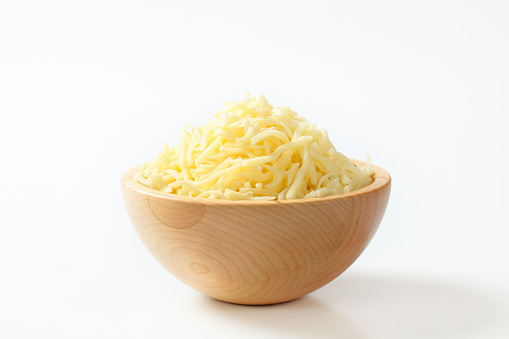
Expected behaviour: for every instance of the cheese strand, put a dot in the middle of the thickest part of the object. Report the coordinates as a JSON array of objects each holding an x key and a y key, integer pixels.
[{"x": 252, "y": 151}]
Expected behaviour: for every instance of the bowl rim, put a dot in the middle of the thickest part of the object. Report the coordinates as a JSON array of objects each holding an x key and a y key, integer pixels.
[{"x": 381, "y": 177}]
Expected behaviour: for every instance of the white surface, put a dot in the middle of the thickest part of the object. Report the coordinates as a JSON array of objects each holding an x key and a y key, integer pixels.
[{"x": 89, "y": 90}]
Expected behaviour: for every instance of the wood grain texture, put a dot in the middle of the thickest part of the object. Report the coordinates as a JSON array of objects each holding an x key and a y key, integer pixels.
[{"x": 256, "y": 252}]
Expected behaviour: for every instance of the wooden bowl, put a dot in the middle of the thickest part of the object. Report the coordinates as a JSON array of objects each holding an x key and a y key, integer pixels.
[{"x": 256, "y": 252}]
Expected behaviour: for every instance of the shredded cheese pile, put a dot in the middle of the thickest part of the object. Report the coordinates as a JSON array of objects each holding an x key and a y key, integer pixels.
[{"x": 252, "y": 151}]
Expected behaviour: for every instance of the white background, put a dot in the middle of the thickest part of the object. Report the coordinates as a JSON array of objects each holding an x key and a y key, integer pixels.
[{"x": 90, "y": 89}]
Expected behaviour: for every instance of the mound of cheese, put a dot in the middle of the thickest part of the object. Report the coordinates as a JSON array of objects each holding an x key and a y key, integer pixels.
[{"x": 252, "y": 151}]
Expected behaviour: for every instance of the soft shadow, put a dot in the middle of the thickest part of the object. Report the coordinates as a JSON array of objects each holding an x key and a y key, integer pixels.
[
  {"x": 412, "y": 306},
  {"x": 357, "y": 306},
  {"x": 306, "y": 317}
]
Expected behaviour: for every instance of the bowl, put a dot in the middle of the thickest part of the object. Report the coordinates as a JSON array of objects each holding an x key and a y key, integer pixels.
[{"x": 256, "y": 252}]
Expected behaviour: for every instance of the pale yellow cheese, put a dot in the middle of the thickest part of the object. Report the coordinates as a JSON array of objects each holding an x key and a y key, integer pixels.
[{"x": 252, "y": 151}]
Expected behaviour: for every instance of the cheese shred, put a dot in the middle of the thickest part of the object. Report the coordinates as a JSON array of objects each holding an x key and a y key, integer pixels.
[{"x": 253, "y": 151}]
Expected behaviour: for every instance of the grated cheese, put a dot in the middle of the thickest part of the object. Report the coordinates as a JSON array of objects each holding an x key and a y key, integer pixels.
[{"x": 252, "y": 151}]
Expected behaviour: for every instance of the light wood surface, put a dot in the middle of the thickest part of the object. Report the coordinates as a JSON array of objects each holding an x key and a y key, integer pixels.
[{"x": 256, "y": 252}]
